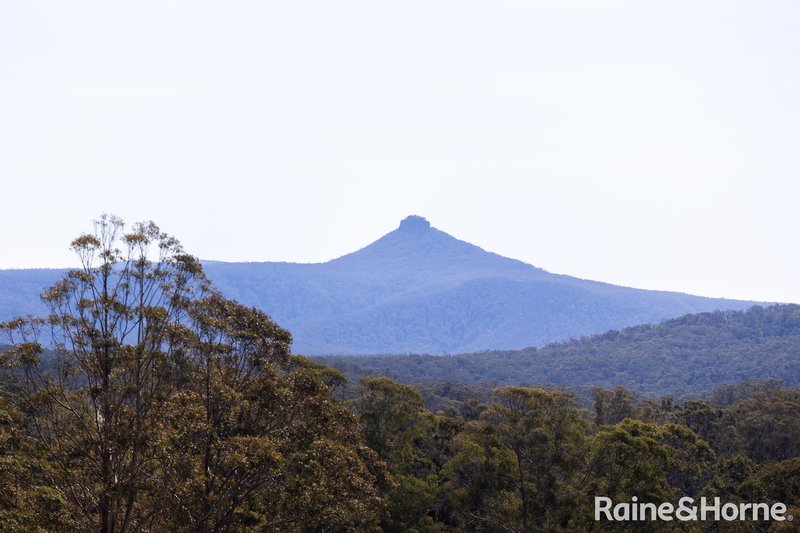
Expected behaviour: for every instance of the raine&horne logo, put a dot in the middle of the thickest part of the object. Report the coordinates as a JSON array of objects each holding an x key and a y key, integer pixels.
[{"x": 687, "y": 511}]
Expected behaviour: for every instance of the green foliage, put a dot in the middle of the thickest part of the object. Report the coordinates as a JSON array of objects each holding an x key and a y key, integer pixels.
[
  {"x": 773, "y": 482},
  {"x": 167, "y": 407},
  {"x": 390, "y": 414},
  {"x": 611, "y": 407},
  {"x": 766, "y": 427},
  {"x": 533, "y": 460},
  {"x": 547, "y": 436},
  {"x": 160, "y": 405},
  {"x": 628, "y": 460},
  {"x": 729, "y": 473},
  {"x": 28, "y": 501},
  {"x": 684, "y": 357}
]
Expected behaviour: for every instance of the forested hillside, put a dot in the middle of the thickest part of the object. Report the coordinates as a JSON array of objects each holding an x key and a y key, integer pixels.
[
  {"x": 529, "y": 459},
  {"x": 684, "y": 356},
  {"x": 145, "y": 400}
]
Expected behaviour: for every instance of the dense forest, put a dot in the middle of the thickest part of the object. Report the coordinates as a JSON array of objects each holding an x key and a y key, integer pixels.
[
  {"x": 147, "y": 401},
  {"x": 682, "y": 357}
]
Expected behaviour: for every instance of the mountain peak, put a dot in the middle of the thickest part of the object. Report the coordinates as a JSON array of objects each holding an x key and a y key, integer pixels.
[
  {"x": 415, "y": 224},
  {"x": 418, "y": 251}
]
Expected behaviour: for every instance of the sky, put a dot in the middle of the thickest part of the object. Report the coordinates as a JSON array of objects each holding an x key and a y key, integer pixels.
[{"x": 648, "y": 144}]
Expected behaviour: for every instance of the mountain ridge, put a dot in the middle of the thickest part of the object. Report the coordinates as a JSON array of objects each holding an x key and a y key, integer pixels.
[
  {"x": 418, "y": 289},
  {"x": 685, "y": 356}
]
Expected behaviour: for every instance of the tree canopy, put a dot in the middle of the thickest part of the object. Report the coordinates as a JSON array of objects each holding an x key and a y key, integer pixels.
[
  {"x": 163, "y": 406},
  {"x": 145, "y": 400}
]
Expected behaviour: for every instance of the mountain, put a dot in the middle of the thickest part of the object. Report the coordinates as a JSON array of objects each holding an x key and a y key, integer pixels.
[
  {"x": 685, "y": 356},
  {"x": 20, "y": 289},
  {"x": 417, "y": 290}
]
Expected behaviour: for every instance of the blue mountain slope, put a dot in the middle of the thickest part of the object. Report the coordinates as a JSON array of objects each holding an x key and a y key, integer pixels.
[
  {"x": 20, "y": 290},
  {"x": 418, "y": 289}
]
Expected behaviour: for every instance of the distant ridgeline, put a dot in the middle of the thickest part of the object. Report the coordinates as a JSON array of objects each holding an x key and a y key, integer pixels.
[
  {"x": 416, "y": 290},
  {"x": 685, "y": 356}
]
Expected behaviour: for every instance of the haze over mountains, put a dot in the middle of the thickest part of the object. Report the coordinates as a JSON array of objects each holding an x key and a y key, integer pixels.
[{"x": 417, "y": 290}]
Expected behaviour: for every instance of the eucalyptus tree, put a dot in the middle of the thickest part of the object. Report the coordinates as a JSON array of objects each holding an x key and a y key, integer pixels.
[
  {"x": 115, "y": 335},
  {"x": 159, "y": 405},
  {"x": 546, "y": 433}
]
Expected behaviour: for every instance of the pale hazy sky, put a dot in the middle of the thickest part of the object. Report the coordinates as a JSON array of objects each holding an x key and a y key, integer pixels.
[{"x": 651, "y": 144}]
